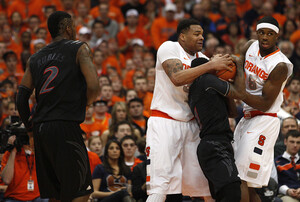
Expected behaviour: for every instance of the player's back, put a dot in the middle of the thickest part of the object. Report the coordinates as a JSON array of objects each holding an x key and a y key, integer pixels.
[{"x": 60, "y": 87}]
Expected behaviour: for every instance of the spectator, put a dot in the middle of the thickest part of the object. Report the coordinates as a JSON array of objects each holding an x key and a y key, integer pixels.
[
  {"x": 150, "y": 13},
  {"x": 164, "y": 27},
  {"x": 140, "y": 86},
  {"x": 233, "y": 34},
  {"x": 18, "y": 172},
  {"x": 198, "y": 13},
  {"x": 287, "y": 125},
  {"x": 132, "y": 4},
  {"x": 289, "y": 27},
  {"x": 252, "y": 15},
  {"x": 132, "y": 31},
  {"x": 111, "y": 26},
  {"x": 12, "y": 66},
  {"x": 82, "y": 18},
  {"x": 98, "y": 32},
  {"x": 34, "y": 22},
  {"x": 9, "y": 42},
  {"x": 122, "y": 129},
  {"x": 128, "y": 144},
  {"x": 230, "y": 16},
  {"x": 119, "y": 91},
  {"x": 293, "y": 92},
  {"x": 210, "y": 46},
  {"x": 101, "y": 114},
  {"x": 130, "y": 94},
  {"x": 84, "y": 34},
  {"x": 2, "y": 51},
  {"x": 286, "y": 48},
  {"x": 106, "y": 94},
  {"x": 95, "y": 145},
  {"x": 90, "y": 126},
  {"x": 38, "y": 44},
  {"x": 139, "y": 182},
  {"x": 288, "y": 168},
  {"x": 111, "y": 178},
  {"x": 136, "y": 109},
  {"x": 295, "y": 59},
  {"x": 98, "y": 58}
]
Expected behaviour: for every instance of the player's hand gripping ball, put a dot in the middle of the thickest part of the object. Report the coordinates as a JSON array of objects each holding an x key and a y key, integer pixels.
[{"x": 226, "y": 74}]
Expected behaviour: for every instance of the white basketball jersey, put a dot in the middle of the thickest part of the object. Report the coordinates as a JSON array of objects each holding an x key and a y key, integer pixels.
[
  {"x": 167, "y": 97},
  {"x": 258, "y": 69}
]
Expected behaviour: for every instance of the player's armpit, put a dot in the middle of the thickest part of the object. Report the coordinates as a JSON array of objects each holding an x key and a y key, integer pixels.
[
  {"x": 270, "y": 90},
  {"x": 84, "y": 58}
]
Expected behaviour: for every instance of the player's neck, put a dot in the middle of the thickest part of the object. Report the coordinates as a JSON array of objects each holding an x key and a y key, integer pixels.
[
  {"x": 186, "y": 49},
  {"x": 264, "y": 53}
]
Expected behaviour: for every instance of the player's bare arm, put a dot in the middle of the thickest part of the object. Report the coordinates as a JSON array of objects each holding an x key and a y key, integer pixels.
[
  {"x": 179, "y": 77},
  {"x": 84, "y": 59},
  {"x": 237, "y": 90},
  {"x": 270, "y": 90},
  {"x": 231, "y": 108}
]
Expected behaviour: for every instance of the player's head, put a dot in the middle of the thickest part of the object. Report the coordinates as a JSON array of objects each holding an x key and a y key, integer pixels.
[
  {"x": 198, "y": 61},
  {"x": 190, "y": 35},
  {"x": 59, "y": 23},
  {"x": 267, "y": 30}
]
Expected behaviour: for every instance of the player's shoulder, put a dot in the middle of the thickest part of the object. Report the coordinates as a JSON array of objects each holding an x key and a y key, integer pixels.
[{"x": 169, "y": 45}]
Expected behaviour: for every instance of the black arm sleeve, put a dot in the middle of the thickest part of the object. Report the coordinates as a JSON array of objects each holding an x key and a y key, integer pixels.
[
  {"x": 23, "y": 105},
  {"x": 212, "y": 82}
]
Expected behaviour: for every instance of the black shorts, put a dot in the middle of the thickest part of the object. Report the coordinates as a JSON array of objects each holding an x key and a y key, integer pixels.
[
  {"x": 215, "y": 155},
  {"x": 62, "y": 163}
]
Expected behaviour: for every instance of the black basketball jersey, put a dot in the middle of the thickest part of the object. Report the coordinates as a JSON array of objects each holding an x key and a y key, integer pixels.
[
  {"x": 60, "y": 87},
  {"x": 209, "y": 107}
]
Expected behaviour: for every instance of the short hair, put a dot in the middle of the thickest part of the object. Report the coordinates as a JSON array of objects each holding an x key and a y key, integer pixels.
[
  {"x": 290, "y": 117},
  {"x": 7, "y": 54},
  {"x": 54, "y": 22},
  {"x": 128, "y": 137},
  {"x": 97, "y": 22},
  {"x": 292, "y": 79},
  {"x": 292, "y": 133},
  {"x": 135, "y": 100},
  {"x": 184, "y": 25}
]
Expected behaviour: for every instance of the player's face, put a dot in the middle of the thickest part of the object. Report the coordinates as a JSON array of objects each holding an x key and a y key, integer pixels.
[
  {"x": 267, "y": 39},
  {"x": 292, "y": 145},
  {"x": 96, "y": 146},
  {"x": 194, "y": 39},
  {"x": 129, "y": 148},
  {"x": 114, "y": 151}
]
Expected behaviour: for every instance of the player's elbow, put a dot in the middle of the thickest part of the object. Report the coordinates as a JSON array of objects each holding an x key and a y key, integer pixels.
[{"x": 177, "y": 81}]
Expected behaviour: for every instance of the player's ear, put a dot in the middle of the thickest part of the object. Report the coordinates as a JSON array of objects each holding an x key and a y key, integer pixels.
[{"x": 182, "y": 37}]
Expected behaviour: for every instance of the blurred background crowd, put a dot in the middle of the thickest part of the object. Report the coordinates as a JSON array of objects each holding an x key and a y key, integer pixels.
[{"x": 124, "y": 36}]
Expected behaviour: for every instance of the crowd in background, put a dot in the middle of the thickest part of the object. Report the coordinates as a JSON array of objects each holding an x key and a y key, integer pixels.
[{"x": 124, "y": 36}]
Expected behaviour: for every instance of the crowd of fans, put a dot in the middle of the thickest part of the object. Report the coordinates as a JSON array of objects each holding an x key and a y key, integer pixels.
[{"x": 124, "y": 36}]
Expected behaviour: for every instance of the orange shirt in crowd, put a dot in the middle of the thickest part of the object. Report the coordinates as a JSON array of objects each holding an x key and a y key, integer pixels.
[
  {"x": 115, "y": 99},
  {"x": 94, "y": 160},
  {"x": 161, "y": 30},
  {"x": 136, "y": 161},
  {"x": 17, "y": 189},
  {"x": 147, "y": 99},
  {"x": 140, "y": 123},
  {"x": 139, "y": 33},
  {"x": 104, "y": 122},
  {"x": 89, "y": 128},
  {"x": 128, "y": 80},
  {"x": 111, "y": 62},
  {"x": 34, "y": 7},
  {"x": 242, "y": 8},
  {"x": 114, "y": 13}
]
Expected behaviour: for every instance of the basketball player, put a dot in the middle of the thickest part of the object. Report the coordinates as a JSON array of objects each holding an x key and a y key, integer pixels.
[
  {"x": 211, "y": 101},
  {"x": 65, "y": 81},
  {"x": 267, "y": 70},
  {"x": 173, "y": 135}
]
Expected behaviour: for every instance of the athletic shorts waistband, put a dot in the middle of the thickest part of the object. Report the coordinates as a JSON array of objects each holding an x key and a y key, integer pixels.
[
  {"x": 251, "y": 114},
  {"x": 157, "y": 113}
]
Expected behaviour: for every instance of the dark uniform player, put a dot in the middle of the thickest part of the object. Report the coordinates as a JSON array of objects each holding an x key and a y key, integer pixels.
[
  {"x": 209, "y": 100},
  {"x": 65, "y": 81}
]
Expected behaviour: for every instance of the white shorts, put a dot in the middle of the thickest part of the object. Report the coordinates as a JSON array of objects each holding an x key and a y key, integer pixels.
[
  {"x": 254, "y": 141},
  {"x": 173, "y": 166}
]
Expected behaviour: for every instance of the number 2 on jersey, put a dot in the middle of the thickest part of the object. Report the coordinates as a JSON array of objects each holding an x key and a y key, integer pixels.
[{"x": 53, "y": 73}]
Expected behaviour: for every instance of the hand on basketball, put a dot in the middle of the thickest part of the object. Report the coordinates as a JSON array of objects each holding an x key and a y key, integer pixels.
[{"x": 221, "y": 62}]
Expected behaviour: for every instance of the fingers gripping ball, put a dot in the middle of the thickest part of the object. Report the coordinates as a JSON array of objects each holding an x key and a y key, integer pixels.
[{"x": 226, "y": 74}]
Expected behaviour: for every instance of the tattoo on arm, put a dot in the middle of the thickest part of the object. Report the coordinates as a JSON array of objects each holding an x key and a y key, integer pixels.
[{"x": 172, "y": 66}]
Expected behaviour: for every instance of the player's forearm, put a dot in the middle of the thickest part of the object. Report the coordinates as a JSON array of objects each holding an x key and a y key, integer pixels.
[
  {"x": 238, "y": 89},
  {"x": 189, "y": 75},
  {"x": 257, "y": 102},
  {"x": 92, "y": 94},
  {"x": 231, "y": 108}
]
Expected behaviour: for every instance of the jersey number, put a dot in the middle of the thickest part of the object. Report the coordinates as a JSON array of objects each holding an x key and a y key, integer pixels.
[
  {"x": 53, "y": 73},
  {"x": 261, "y": 140}
]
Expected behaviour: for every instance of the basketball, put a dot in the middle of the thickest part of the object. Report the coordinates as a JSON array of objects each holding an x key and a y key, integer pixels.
[{"x": 226, "y": 74}]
